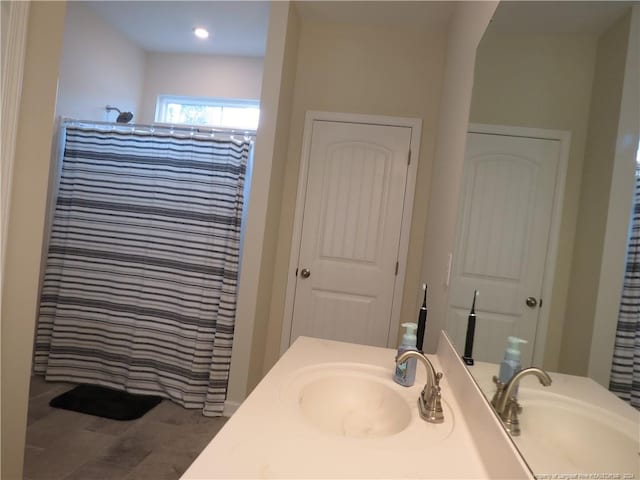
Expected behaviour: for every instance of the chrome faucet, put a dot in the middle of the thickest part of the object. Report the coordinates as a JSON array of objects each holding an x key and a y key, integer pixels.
[
  {"x": 505, "y": 401},
  {"x": 430, "y": 399}
]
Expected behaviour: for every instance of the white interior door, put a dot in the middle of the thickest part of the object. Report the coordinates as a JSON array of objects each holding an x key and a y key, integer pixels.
[
  {"x": 351, "y": 232},
  {"x": 502, "y": 241}
]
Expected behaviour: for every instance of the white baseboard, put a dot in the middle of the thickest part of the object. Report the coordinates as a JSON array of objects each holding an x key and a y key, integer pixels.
[{"x": 230, "y": 408}]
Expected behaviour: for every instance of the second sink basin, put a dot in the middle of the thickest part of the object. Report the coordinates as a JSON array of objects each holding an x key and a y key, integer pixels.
[{"x": 569, "y": 436}]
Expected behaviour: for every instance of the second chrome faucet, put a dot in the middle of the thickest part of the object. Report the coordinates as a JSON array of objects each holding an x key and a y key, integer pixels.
[
  {"x": 430, "y": 400},
  {"x": 505, "y": 401}
]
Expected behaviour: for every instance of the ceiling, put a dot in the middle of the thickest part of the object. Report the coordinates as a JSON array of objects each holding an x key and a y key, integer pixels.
[
  {"x": 235, "y": 27},
  {"x": 240, "y": 27},
  {"x": 588, "y": 17},
  {"x": 427, "y": 14}
]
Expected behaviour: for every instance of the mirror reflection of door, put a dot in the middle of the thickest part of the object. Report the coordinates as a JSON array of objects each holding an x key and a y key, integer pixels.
[{"x": 503, "y": 240}]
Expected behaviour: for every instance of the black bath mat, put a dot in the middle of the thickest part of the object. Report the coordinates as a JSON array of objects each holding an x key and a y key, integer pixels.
[{"x": 105, "y": 402}]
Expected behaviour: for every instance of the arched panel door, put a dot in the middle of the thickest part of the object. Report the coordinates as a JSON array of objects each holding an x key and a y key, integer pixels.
[
  {"x": 351, "y": 232},
  {"x": 502, "y": 240}
]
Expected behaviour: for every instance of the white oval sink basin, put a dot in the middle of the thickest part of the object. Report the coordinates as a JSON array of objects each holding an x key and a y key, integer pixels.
[
  {"x": 355, "y": 401},
  {"x": 563, "y": 435},
  {"x": 354, "y": 406}
]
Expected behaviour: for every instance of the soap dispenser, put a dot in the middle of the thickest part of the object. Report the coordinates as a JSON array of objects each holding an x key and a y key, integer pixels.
[
  {"x": 511, "y": 363},
  {"x": 406, "y": 372}
]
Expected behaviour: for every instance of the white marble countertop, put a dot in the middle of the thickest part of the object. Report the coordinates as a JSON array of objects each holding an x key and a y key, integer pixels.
[{"x": 268, "y": 437}]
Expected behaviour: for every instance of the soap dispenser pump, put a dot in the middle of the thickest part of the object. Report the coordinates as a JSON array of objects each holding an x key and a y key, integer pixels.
[
  {"x": 405, "y": 373},
  {"x": 511, "y": 363}
]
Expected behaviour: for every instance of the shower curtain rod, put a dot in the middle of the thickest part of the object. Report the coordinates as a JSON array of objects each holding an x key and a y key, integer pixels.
[{"x": 161, "y": 126}]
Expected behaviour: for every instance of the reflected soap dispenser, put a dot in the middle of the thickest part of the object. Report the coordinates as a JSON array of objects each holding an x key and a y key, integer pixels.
[
  {"x": 406, "y": 372},
  {"x": 511, "y": 363}
]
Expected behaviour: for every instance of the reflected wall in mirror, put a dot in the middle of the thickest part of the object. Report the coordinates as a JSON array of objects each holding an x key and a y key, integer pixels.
[
  {"x": 544, "y": 217},
  {"x": 551, "y": 69}
]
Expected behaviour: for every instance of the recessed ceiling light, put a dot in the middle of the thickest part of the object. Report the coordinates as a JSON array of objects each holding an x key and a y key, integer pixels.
[{"x": 201, "y": 32}]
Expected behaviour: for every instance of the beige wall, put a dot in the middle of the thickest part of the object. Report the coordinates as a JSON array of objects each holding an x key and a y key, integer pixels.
[
  {"x": 15, "y": 18},
  {"x": 275, "y": 204},
  {"x": 264, "y": 209},
  {"x": 367, "y": 70},
  {"x": 26, "y": 226},
  {"x": 99, "y": 66},
  {"x": 542, "y": 81},
  {"x": 594, "y": 199},
  {"x": 468, "y": 25},
  {"x": 5, "y": 12},
  {"x": 214, "y": 76}
]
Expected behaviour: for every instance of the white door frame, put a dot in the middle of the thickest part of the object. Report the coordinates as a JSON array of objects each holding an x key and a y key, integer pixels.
[
  {"x": 416, "y": 127},
  {"x": 564, "y": 137}
]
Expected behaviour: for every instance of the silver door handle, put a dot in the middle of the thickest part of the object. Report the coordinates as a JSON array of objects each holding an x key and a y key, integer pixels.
[
  {"x": 305, "y": 273},
  {"x": 531, "y": 302}
]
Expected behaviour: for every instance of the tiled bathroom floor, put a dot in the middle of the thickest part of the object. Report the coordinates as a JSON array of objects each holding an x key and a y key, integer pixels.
[{"x": 64, "y": 445}]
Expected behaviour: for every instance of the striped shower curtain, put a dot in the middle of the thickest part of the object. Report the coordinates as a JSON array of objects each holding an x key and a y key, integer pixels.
[
  {"x": 139, "y": 292},
  {"x": 625, "y": 371}
]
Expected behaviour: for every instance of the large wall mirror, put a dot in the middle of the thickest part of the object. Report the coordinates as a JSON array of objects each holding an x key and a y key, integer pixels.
[{"x": 543, "y": 225}]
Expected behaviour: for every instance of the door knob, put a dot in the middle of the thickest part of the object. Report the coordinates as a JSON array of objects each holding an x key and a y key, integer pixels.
[
  {"x": 531, "y": 302},
  {"x": 305, "y": 273}
]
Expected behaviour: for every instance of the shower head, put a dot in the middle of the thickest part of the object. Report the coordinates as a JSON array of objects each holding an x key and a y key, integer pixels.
[{"x": 123, "y": 117}]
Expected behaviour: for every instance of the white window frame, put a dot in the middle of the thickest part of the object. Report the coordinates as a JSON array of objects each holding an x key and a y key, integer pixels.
[{"x": 164, "y": 100}]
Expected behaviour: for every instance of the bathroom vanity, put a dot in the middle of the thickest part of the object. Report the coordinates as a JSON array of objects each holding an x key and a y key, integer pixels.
[{"x": 332, "y": 410}]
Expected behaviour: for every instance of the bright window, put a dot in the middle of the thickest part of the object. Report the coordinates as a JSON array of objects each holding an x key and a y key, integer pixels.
[{"x": 212, "y": 112}]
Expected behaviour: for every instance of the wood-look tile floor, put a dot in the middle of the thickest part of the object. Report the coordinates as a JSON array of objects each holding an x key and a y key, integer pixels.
[{"x": 65, "y": 445}]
